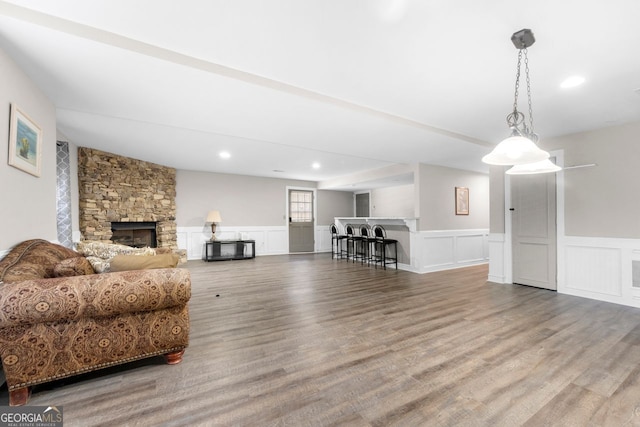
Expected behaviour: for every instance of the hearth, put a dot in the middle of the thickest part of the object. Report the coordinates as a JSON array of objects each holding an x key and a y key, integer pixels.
[{"x": 135, "y": 234}]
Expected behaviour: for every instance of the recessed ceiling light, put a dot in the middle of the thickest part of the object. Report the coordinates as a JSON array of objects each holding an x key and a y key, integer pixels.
[
  {"x": 224, "y": 155},
  {"x": 315, "y": 165},
  {"x": 572, "y": 81},
  {"x": 278, "y": 171}
]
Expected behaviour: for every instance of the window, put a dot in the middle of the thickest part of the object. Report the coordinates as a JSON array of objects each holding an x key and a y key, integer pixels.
[{"x": 301, "y": 206}]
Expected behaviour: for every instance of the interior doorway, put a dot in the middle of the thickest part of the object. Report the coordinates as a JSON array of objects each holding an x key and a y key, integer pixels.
[
  {"x": 534, "y": 230},
  {"x": 362, "y": 205},
  {"x": 301, "y": 220}
]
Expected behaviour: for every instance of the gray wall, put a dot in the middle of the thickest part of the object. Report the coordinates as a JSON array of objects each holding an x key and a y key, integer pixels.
[
  {"x": 247, "y": 200},
  {"x": 28, "y": 202},
  {"x": 333, "y": 204},
  {"x": 602, "y": 201},
  {"x": 435, "y": 187},
  {"x": 496, "y": 198},
  {"x": 393, "y": 201}
]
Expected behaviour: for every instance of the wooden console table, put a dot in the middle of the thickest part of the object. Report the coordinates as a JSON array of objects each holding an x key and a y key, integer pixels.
[{"x": 219, "y": 250}]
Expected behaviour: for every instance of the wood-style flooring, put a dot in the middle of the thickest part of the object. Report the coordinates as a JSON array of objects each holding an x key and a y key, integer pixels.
[{"x": 304, "y": 340}]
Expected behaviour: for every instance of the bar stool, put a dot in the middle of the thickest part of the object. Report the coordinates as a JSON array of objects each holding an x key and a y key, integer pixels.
[
  {"x": 364, "y": 249},
  {"x": 381, "y": 246},
  {"x": 353, "y": 241},
  {"x": 336, "y": 241}
]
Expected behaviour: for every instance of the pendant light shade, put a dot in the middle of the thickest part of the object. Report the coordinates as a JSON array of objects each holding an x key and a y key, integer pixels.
[
  {"x": 520, "y": 148},
  {"x": 515, "y": 150},
  {"x": 545, "y": 166}
]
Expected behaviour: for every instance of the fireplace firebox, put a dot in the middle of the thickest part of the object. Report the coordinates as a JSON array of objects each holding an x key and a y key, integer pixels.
[{"x": 135, "y": 234}]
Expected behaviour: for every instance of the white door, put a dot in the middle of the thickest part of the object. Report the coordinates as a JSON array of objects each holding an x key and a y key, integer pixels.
[
  {"x": 301, "y": 231},
  {"x": 533, "y": 229}
]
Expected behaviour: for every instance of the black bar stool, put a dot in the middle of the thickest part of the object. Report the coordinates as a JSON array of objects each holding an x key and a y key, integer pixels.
[
  {"x": 353, "y": 241},
  {"x": 363, "y": 252},
  {"x": 381, "y": 253},
  {"x": 336, "y": 241}
]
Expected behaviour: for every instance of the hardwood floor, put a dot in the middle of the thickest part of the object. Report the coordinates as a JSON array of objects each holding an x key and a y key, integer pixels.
[{"x": 305, "y": 340}]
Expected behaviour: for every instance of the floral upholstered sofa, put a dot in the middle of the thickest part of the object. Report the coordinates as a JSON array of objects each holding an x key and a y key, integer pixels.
[{"x": 58, "y": 318}]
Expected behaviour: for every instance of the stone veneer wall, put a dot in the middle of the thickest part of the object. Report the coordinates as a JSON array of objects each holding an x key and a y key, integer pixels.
[{"x": 116, "y": 188}]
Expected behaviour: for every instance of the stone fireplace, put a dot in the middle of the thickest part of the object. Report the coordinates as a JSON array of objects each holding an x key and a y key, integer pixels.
[{"x": 116, "y": 189}]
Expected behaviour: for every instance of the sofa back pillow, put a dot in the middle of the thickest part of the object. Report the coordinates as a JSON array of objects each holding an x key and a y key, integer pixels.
[{"x": 136, "y": 262}]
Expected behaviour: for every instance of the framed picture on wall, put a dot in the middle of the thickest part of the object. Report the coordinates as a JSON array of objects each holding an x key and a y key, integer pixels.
[
  {"x": 462, "y": 201},
  {"x": 25, "y": 142}
]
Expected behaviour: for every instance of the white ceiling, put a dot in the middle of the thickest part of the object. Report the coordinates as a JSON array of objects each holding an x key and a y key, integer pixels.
[{"x": 352, "y": 84}]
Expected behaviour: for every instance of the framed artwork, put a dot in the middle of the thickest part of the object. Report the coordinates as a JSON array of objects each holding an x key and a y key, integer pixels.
[
  {"x": 25, "y": 142},
  {"x": 462, "y": 201}
]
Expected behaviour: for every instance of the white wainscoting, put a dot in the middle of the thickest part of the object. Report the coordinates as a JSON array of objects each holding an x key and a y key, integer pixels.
[
  {"x": 447, "y": 249},
  {"x": 497, "y": 258},
  {"x": 270, "y": 240},
  {"x": 323, "y": 238},
  {"x": 591, "y": 267},
  {"x": 599, "y": 268}
]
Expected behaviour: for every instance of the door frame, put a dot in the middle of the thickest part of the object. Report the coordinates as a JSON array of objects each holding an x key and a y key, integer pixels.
[
  {"x": 315, "y": 212},
  {"x": 560, "y": 237}
]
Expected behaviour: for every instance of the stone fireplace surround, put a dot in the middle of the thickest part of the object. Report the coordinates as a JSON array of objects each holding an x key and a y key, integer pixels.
[{"x": 114, "y": 188}]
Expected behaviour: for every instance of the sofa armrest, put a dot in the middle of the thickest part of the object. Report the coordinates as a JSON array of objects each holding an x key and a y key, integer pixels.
[{"x": 95, "y": 295}]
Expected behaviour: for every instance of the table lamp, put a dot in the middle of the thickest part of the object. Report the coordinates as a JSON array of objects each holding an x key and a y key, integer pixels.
[{"x": 214, "y": 218}]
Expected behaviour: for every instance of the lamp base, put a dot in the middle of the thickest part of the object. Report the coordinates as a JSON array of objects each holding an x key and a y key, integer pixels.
[{"x": 213, "y": 231}]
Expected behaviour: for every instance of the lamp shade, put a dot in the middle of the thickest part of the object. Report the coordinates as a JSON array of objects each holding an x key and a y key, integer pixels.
[
  {"x": 214, "y": 216},
  {"x": 515, "y": 150},
  {"x": 545, "y": 166}
]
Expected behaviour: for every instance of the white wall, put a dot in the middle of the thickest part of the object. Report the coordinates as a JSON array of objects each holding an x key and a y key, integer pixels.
[{"x": 28, "y": 202}]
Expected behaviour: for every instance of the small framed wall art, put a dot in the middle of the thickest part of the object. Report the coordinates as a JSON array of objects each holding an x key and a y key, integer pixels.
[
  {"x": 462, "y": 201},
  {"x": 25, "y": 142}
]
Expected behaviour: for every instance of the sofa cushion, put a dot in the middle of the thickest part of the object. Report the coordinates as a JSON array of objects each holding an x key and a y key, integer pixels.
[
  {"x": 33, "y": 259},
  {"x": 100, "y": 254},
  {"x": 135, "y": 262},
  {"x": 78, "y": 266},
  {"x": 107, "y": 250}
]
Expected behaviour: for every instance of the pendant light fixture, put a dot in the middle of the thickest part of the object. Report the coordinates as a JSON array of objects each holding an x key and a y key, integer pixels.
[
  {"x": 545, "y": 166},
  {"x": 520, "y": 148}
]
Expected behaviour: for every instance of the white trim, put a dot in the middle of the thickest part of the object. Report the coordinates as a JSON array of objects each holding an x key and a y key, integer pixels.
[{"x": 560, "y": 226}]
